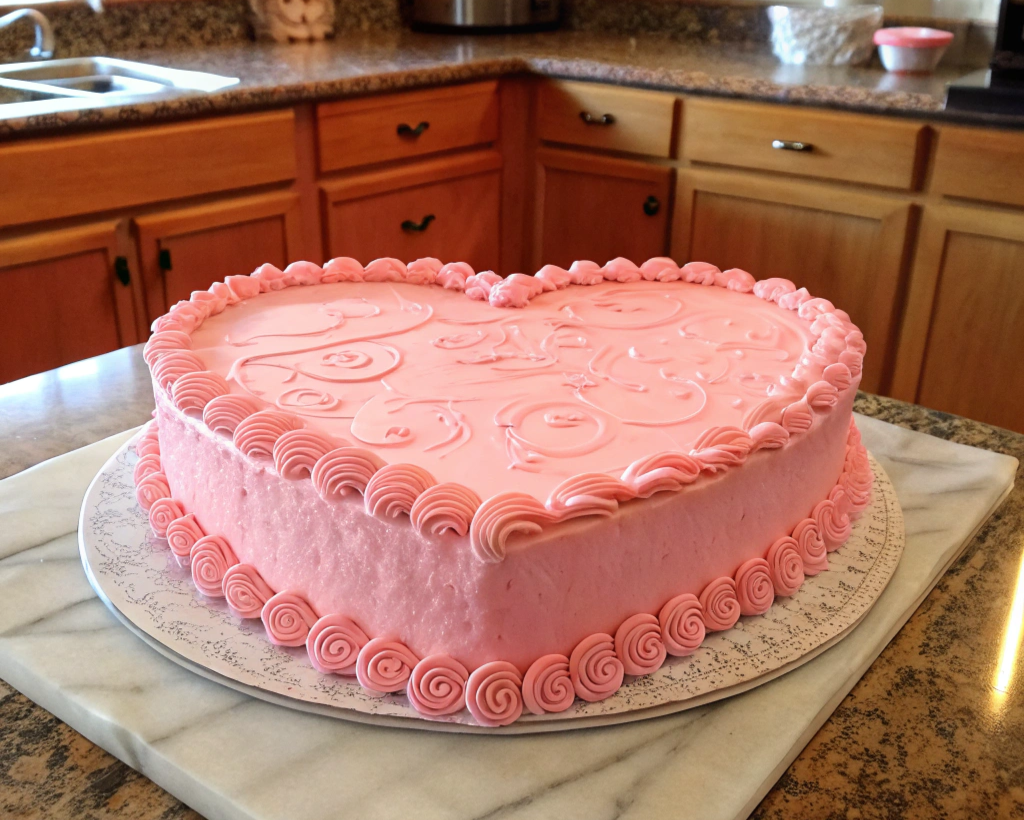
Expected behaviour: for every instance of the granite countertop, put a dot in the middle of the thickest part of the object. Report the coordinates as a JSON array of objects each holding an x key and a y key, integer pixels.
[
  {"x": 370, "y": 62},
  {"x": 923, "y": 734}
]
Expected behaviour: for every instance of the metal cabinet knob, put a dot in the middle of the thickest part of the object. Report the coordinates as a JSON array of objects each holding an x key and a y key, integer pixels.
[
  {"x": 406, "y": 130},
  {"x": 422, "y": 225},
  {"x": 790, "y": 145},
  {"x": 652, "y": 205},
  {"x": 590, "y": 119}
]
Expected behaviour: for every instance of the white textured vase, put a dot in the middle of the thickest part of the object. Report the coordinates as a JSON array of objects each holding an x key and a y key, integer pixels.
[{"x": 289, "y": 20}]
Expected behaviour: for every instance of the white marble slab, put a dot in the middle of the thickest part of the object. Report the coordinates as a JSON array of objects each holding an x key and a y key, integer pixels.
[{"x": 231, "y": 756}]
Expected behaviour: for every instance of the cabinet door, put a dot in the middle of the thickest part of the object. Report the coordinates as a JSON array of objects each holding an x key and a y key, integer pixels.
[
  {"x": 598, "y": 208},
  {"x": 448, "y": 209},
  {"x": 846, "y": 246},
  {"x": 66, "y": 296},
  {"x": 191, "y": 248},
  {"x": 963, "y": 336}
]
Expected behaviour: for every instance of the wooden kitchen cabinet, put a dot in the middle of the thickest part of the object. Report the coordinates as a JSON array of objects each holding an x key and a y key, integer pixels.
[
  {"x": 844, "y": 245},
  {"x": 445, "y": 208},
  {"x": 963, "y": 335},
  {"x": 187, "y": 249},
  {"x": 598, "y": 208},
  {"x": 66, "y": 296}
]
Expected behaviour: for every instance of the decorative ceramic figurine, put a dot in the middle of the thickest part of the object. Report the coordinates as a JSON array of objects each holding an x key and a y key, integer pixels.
[{"x": 289, "y": 20}]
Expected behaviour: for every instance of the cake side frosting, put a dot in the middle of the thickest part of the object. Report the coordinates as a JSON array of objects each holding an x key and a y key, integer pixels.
[{"x": 325, "y": 525}]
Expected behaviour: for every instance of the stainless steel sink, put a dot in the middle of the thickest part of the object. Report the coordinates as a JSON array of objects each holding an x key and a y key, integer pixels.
[{"x": 85, "y": 81}]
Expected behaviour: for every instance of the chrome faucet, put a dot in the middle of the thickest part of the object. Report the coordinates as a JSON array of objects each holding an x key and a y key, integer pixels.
[{"x": 43, "y": 49}]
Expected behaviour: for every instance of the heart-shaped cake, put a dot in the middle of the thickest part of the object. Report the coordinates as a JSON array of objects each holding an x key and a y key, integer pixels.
[{"x": 500, "y": 494}]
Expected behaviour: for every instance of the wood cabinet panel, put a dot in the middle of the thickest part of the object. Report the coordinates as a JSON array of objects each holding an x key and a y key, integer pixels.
[
  {"x": 400, "y": 126},
  {"x": 189, "y": 249},
  {"x": 597, "y": 208},
  {"x": 61, "y": 300},
  {"x": 843, "y": 246},
  {"x": 850, "y": 147},
  {"x": 448, "y": 209},
  {"x": 608, "y": 117},
  {"x": 963, "y": 338},
  {"x": 979, "y": 163},
  {"x": 63, "y": 176}
]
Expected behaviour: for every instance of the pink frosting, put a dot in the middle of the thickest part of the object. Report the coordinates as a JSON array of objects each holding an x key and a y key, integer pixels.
[
  {"x": 333, "y": 645},
  {"x": 193, "y": 391},
  {"x": 662, "y": 472},
  {"x": 161, "y": 513},
  {"x": 245, "y": 590},
  {"x": 594, "y": 668},
  {"x": 448, "y": 506},
  {"x": 735, "y": 279},
  {"x": 494, "y": 695},
  {"x": 661, "y": 269},
  {"x": 621, "y": 270},
  {"x": 423, "y": 271},
  {"x": 165, "y": 342},
  {"x": 209, "y": 559},
  {"x": 682, "y": 624},
  {"x": 148, "y": 445},
  {"x": 639, "y": 646},
  {"x": 223, "y": 414},
  {"x": 768, "y": 436},
  {"x": 833, "y": 524},
  {"x": 150, "y": 488},
  {"x": 720, "y": 605},
  {"x": 169, "y": 367},
  {"x": 342, "y": 269},
  {"x": 296, "y": 452},
  {"x": 394, "y": 489},
  {"x": 547, "y": 685},
  {"x": 700, "y": 273},
  {"x": 515, "y": 291},
  {"x": 182, "y": 534},
  {"x": 772, "y": 290},
  {"x": 786, "y": 566},
  {"x": 437, "y": 686},
  {"x": 256, "y": 435},
  {"x": 453, "y": 276},
  {"x": 754, "y": 587},
  {"x": 145, "y": 466},
  {"x": 385, "y": 270},
  {"x": 813, "y": 554},
  {"x": 343, "y": 470},
  {"x": 502, "y": 516},
  {"x": 287, "y": 617},
  {"x": 384, "y": 665},
  {"x": 838, "y": 375}
]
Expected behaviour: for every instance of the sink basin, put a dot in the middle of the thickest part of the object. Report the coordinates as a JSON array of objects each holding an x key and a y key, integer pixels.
[{"x": 93, "y": 80}]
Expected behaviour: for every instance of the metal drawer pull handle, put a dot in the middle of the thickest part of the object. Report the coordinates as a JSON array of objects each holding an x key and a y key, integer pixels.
[
  {"x": 788, "y": 145},
  {"x": 590, "y": 119},
  {"x": 409, "y": 225},
  {"x": 652, "y": 205},
  {"x": 124, "y": 276},
  {"x": 406, "y": 130}
]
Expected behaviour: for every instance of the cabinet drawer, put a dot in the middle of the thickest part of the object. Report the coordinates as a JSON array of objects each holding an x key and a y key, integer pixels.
[
  {"x": 600, "y": 116},
  {"x": 362, "y": 132},
  {"x": 982, "y": 164},
  {"x": 446, "y": 208},
  {"x": 62, "y": 176},
  {"x": 848, "y": 147}
]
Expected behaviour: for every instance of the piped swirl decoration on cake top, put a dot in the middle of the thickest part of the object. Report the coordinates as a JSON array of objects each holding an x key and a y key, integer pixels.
[
  {"x": 397, "y": 390},
  {"x": 496, "y": 693}
]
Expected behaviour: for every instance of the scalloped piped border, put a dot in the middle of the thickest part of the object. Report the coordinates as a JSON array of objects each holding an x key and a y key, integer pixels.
[
  {"x": 495, "y": 693},
  {"x": 389, "y": 489}
]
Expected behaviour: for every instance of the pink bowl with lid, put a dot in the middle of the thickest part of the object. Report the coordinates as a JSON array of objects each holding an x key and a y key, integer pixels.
[{"x": 911, "y": 49}]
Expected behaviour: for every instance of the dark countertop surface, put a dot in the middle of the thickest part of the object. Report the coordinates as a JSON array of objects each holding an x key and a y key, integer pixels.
[
  {"x": 356, "y": 63},
  {"x": 923, "y": 734}
]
